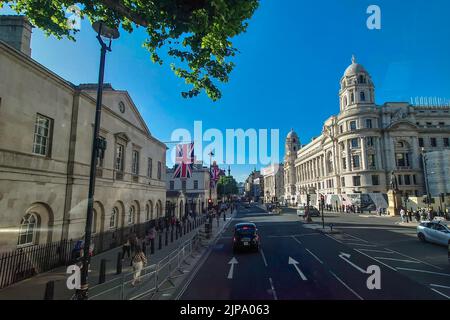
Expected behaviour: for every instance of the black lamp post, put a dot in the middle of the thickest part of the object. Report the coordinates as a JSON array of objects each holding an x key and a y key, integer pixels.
[{"x": 109, "y": 33}]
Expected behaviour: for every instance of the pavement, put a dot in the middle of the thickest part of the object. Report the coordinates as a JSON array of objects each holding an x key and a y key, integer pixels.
[
  {"x": 34, "y": 288},
  {"x": 367, "y": 258}
]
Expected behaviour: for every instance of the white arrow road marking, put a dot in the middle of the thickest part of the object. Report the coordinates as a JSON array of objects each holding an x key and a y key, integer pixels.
[
  {"x": 345, "y": 257},
  {"x": 232, "y": 262},
  {"x": 295, "y": 263}
]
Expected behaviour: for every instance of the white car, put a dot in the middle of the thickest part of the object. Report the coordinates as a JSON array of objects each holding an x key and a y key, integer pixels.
[
  {"x": 434, "y": 231},
  {"x": 301, "y": 211}
]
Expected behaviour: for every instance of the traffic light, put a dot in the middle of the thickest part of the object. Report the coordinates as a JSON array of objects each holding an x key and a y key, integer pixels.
[
  {"x": 442, "y": 197},
  {"x": 322, "y": 199}
]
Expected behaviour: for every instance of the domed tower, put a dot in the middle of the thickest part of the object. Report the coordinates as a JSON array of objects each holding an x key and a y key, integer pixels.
[
  {"x": 291, "y": 147},
  {"x": 357, "y": 88}
]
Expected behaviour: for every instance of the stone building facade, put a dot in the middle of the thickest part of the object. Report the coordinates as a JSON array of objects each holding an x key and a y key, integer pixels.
[
  {"x": 190, "y": 194},
  {"x": 46, "y": 128},
  {"x": 364, "y": 146},
  {"x": 273, "y": 176}
]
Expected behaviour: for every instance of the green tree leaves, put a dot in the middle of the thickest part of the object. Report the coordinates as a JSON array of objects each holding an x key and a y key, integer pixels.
[
  {"x": 194, "y": 33},
  {"x": 226, "y": 186}
]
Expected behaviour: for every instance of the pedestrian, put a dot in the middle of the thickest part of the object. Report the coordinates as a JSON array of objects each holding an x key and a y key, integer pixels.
[
  {"x": 402, "y": 214},
  {"x": 126, "y": 249},
  {"x": 410, "y": 215},
  {"x": 139, "y": 262}
]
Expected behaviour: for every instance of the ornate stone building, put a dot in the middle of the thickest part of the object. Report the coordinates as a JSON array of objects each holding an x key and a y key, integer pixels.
[
  {"x": 46, "y": 127},
  {"x": 273, "y": 183},
  {"x": 360, "y": 147}
]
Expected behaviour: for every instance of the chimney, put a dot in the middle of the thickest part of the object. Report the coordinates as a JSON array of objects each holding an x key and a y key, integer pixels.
[{"x": 16, "y": 31}]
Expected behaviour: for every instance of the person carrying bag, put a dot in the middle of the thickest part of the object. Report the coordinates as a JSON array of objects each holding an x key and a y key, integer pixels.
[{"x": 139, "y": 262}]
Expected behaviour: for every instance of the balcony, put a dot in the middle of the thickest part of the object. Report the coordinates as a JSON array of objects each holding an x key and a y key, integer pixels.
[{"x": 404, "y": 168}]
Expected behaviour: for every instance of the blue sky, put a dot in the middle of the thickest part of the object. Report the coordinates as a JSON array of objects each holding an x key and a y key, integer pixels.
[{"x": 287, "y": 74}]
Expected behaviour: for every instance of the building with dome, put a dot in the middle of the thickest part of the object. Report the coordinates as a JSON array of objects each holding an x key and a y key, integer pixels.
[{"x": 364, "y": 146}]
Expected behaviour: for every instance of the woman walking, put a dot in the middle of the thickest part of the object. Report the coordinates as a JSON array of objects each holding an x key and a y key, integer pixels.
[{"x": 139, "y": 261}]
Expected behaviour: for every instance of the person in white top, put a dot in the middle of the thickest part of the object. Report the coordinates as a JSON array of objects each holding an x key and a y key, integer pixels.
[{"x": 402, "y": 214}]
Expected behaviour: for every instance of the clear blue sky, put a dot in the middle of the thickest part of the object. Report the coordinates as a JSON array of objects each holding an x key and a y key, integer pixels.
[{"x": 288, "y": 72}]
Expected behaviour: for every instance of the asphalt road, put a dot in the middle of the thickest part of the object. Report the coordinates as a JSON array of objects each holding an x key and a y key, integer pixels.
[{"x": 296, "y": 262}]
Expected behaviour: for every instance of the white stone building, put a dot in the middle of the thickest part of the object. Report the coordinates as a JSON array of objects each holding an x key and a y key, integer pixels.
[
  {"x": 352, "y": 159},
  {"x": 438, "y": 172},
  {"x": 190, "y": 194},
  {"x": 46, "y": 128},
  {"x": 273, "y": 182}
]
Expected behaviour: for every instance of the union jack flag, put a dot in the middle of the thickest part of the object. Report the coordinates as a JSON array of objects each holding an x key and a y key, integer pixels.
[
  {"x": 215, "y": 174},
  {"x": 184, "y": 160}
]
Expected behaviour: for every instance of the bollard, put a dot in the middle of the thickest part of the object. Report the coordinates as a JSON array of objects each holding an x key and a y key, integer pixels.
[
  {"x": 102, "y": 275},
  {"x": 49, "y": 290},
  {"x": 171, "y": 235},
  {"x": 224, "y": 216},
  {"x": 184, "y": 228},
  {"x": 176, "y": 233},
  {"x": 152, "y": 246},
  {"x": 166, "y": 241},
  {"x": 160, "y": 241},
  {"x": 119, "y": 263}
]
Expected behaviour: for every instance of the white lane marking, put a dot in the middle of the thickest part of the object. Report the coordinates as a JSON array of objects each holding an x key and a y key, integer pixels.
[
  {"x": 273, "y": 289},
  {"x": 425, "y": 271},
  {"x": 400, "y": 260},
  {"x": 294, "y": 235},
  {"x": 406, "y": 256},
  {"x": 345, "y": 285},
  {"x": 333, "y": 238},
  {"x": 439, "y": 286},
  {"x": 377, "y": 251},
  {"x": 349, "y": 235},
  {"x": 295, "y": 263},
  {"x": 384, "y": 264},
  {"x": 297, "y": 240},
  {"x": 314, "y": 255},
  {"x": 263, "y": 256},
  {"x": 345, "y": 257},
  {"x": 232, "y": 262},
  {"x": 361, "y": 244},
  {"x": 444, "y": 295}
]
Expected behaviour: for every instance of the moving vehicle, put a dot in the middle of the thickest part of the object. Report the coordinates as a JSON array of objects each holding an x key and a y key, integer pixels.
[
  {"x": 434, "y": 231},
  {"x": 245, "y": 237},
  {"x": 313, "y": 212}
]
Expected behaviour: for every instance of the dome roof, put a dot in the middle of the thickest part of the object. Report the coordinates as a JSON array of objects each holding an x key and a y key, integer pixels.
[
  {"x": 292, "y": 134},
  {"x": 354, "y": 68}
]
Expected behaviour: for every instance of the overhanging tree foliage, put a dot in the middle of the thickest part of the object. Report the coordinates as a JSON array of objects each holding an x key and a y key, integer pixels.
[
  {"x": 226, "y": 186},
  {"x": 195, "y": 33}
]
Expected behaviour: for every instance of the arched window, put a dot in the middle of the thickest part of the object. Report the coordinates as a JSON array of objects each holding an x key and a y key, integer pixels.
[
  {"x": 362, "y": 96},
  {"x": 27, "y": 231},
  {"x": 113, "y": 218},
  {"x": 131, "y": 214},
  {"x": 362, "y": 79},
  {"x": 352, "y": 97},
  {"x": 345, "y": 101}
]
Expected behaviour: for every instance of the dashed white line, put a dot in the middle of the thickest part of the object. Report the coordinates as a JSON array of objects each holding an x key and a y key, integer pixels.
[
  {"x": 296, "y": 240},
  {"x": 314, "y": 256},
  {"x": 377, "y": 251},
  {"x": 345, "y": 285},
  {"x": 439, "y": 286},
  {"x": 361, "y": 244},
  {"x": 400, "y": 260},
  {"x": 263, "y": 256},
  {"x": 406, "y": 256},
  {"x": 274, "y": 293},
  {"x": 425, "y": 271},
  {"x": 384, "y": 264},
  {"x": 444, "y": 295}
]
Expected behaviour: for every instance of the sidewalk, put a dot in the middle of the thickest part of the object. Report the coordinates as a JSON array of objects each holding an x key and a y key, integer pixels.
[{"x": 34, "y": 288}]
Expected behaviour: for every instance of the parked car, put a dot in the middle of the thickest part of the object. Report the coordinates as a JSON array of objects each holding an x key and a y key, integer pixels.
[
  {"x": 434, "y": 231},
  {"x": 245, "y": 237},
  {"x": 313, "y": 212}
]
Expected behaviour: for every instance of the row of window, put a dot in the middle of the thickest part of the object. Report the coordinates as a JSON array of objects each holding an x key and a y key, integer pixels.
[
  {"x": 43, "y": 131},
  {"x": 135, "y": 159},
  {"x": 431, "y": 124},
  {"x": 434, "y": 142},
  {"x": 356, "y": 163},
  {"x": 352, "y": 125},
  {"x": 402, "y": 180}
]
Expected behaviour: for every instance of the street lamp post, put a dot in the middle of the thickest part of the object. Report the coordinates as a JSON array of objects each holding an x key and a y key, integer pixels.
[
  {"x": 110, "y": 33},
  {"x": 424, "y": 162}
]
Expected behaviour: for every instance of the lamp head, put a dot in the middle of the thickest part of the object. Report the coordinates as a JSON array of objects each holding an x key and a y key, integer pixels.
[{"x": 107, "y": 32}]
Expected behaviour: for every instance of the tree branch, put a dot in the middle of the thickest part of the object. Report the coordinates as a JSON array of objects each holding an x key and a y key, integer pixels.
[{"x": 117, "y": 6}]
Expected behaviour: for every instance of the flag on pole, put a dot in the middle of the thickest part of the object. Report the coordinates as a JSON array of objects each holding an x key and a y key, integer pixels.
[{"x": 184, "y": 160}]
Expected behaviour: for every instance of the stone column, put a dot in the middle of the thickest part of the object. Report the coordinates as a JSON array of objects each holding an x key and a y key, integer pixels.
[
  {"x": 363, "y": 154},
  {"x": 378, "y": 153}
]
